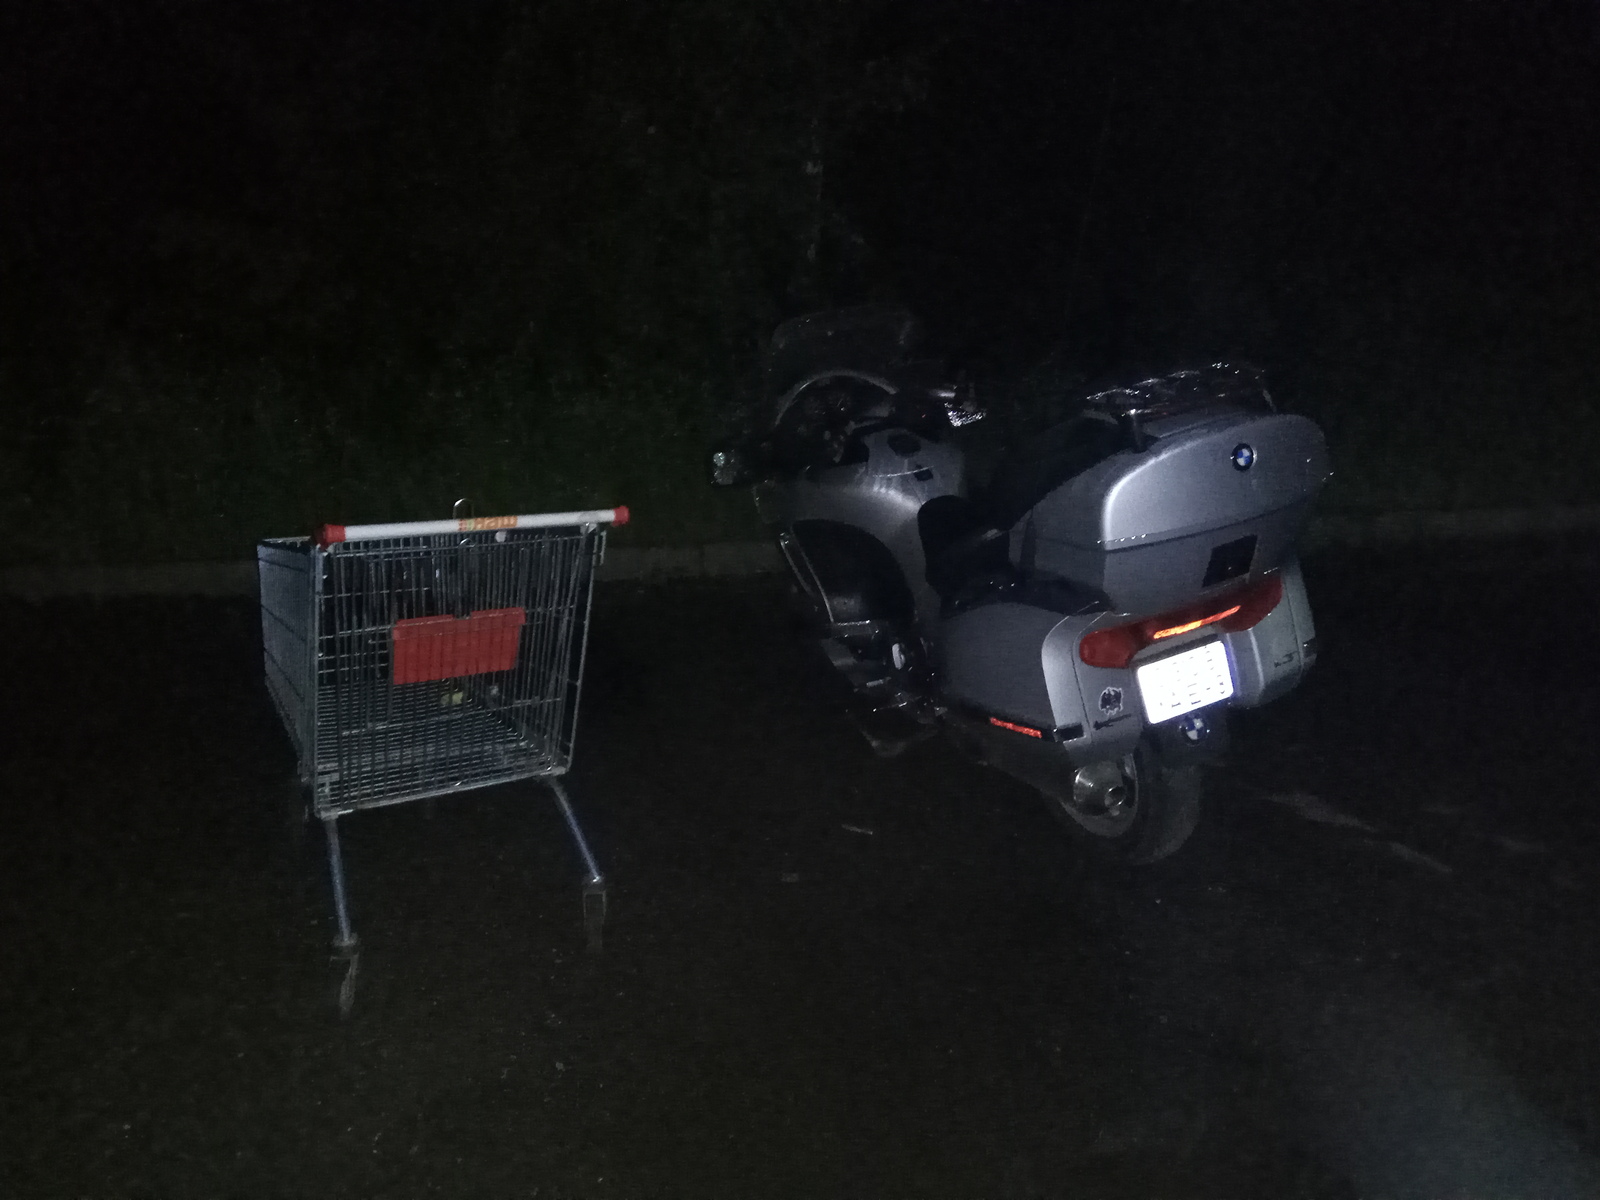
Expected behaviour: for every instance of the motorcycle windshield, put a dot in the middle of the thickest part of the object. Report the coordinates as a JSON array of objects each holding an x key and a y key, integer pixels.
[{"x": 872, "y": 339}]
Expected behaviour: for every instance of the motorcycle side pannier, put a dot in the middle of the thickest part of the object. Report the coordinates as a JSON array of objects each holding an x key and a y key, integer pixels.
[{"x": 1212, "y": 499}]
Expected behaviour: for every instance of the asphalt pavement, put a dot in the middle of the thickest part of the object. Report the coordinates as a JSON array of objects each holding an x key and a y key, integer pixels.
[{"x": 1372, "y": 972}]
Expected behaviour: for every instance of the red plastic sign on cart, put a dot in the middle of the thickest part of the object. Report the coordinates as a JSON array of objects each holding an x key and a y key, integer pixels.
[{"x": 427, "y": 648}]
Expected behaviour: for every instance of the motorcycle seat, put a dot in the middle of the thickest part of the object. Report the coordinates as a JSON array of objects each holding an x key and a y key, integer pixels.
[
  {"x": 966, "y": 541},
  {"x": 969, "y": 562}
]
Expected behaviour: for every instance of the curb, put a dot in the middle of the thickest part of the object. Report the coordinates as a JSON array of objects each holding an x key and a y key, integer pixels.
[{"x": 730, "y": 560}]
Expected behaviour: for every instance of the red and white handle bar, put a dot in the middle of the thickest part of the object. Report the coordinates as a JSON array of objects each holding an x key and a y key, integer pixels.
[{"x": 329, "y": 534}]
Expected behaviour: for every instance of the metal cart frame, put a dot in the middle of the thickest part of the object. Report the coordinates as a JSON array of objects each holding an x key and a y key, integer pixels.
[{"x": 416, "y": 660}]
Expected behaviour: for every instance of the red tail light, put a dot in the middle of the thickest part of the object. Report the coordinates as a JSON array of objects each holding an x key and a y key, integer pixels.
[
  {"x": 1015, "y": 728},
  {"x": 1241, "y": 609}
]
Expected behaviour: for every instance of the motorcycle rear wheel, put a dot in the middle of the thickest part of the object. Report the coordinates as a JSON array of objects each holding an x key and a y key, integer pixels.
[{"x": 1153, "y": 821}]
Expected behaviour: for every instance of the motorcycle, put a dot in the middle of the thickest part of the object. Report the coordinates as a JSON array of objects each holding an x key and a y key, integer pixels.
[{"x": 1087, "y": 618}]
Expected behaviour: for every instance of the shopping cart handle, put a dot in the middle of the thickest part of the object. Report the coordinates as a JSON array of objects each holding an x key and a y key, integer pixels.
[{"x": 330, "y": 534}]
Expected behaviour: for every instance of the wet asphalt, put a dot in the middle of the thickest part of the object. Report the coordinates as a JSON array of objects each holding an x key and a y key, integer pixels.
[{"x": 1372, "y": 972}]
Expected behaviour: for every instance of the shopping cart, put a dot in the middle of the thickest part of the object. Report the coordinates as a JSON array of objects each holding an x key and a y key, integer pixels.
[{"x": 417, "y": 660}]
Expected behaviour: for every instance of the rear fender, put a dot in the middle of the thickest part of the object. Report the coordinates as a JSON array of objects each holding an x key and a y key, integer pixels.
[
  {"x": 1272, "y": 657},
  {"x": 1115, "y": 717},
  {"x": 1107, "y": 696}
]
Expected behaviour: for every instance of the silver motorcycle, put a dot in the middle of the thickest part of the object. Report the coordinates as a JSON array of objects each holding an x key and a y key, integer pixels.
[{"x": 1086, "y": 619}]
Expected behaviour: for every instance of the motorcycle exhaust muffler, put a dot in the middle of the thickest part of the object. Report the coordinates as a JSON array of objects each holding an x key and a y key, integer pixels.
[{"x": 1100, "y": 788}]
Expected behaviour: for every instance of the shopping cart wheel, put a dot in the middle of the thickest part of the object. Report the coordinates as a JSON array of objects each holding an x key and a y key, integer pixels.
[
  {"x": 347, "y": 963},
  {"x": 594, "y": 913}
]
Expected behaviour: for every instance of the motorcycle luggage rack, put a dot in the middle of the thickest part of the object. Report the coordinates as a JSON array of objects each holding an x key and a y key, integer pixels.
[{"x": 1161, "y": 396}]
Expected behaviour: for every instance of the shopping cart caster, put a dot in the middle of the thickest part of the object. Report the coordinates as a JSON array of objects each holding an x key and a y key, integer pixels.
[
  {"x": 347, "y": 964},
  {"x": 594, "y": 892},
  {"x": 594, "y": 913}
]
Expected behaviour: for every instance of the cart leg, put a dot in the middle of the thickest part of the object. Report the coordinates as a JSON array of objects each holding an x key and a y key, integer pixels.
[
  {"x": 594, "y": 889},
  {"x": 345, "y": 943},
  {"x": 346, "y": 940}
]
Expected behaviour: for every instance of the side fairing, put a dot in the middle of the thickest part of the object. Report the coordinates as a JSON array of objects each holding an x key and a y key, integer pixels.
[{"x": 881, "y": 495}]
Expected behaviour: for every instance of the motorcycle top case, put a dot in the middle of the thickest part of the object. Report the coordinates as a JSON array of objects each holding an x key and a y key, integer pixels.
[{"x": 1211, "y": 500}]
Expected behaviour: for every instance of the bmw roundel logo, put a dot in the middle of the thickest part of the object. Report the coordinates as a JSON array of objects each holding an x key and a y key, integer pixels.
[{"x": 1244, "y": 457}]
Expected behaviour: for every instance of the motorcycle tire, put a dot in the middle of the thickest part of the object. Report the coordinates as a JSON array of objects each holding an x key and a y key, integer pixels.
[{"x": 1160, "y": 811}]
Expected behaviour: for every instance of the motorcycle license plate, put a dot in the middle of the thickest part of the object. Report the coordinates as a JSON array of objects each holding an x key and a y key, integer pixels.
[{"x": 1183, "y": 682}]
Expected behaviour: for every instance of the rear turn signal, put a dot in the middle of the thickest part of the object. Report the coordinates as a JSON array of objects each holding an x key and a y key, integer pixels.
[{"x": 1236, "y": 611}]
